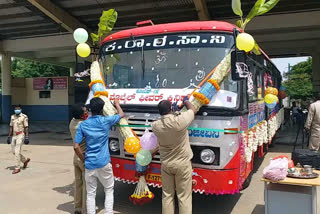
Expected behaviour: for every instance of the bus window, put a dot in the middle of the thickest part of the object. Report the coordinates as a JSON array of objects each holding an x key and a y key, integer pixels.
[
  {"x": 252, "y": 83},
  {"x": 260, "y": 83}
]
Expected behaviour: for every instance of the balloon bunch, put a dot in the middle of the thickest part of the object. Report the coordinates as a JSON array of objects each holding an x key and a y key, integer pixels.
[
  {"x": 271, "y": 98},
  {"x": 80, "y": 35},
  {"x": 141, "y": 194},
  {"x": 142, "y": 149},
  {"x": 282, "y": 92}
]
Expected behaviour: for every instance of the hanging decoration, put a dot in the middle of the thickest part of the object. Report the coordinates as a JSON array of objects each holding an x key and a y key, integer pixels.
[
  {"x": 142, "y": 194},
  {"x": 245, "y": 42},
  {"x": 282, "y": 92},
  {"x": 80, "y": 35},
  {"x": 271, "y": 98},
  {"x": 144, "y": 157},
  {"x": 148, "y": 141},
  {"x": 132, "y": 145}
]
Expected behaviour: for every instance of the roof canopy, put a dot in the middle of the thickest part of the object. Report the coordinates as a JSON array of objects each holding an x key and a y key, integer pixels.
[{"x": 30, "y": 18}]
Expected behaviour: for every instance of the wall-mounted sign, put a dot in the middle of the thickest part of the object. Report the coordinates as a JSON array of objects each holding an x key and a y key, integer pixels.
[{"x": 50, "y": 83}]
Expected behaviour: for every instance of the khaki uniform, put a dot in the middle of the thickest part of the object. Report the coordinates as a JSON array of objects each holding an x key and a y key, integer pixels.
[
  {"x": 175, "y": 154},
  {"x": 18, "y": 123},
  {"x": 80, "y": 193},
  {"x": 313, "y": 124}
]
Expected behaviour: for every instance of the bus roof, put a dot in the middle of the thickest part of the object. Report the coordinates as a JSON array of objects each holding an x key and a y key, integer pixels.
[{"x": 172, "y": 28}]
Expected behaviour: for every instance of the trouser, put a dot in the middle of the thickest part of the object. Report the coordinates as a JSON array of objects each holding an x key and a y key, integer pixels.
[
  {"x": 105, "y": 176},
  {"x": 80, "y": 193},
  {"x": 16, "y": 144},
  {"x": 177, "y": 178}
]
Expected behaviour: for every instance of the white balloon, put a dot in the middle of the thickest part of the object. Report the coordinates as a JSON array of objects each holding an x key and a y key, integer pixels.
[{"x": 80, "y": 35}]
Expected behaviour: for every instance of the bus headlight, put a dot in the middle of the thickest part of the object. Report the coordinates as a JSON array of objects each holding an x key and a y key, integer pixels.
[
  {"x": 207, "y": 156},
  {"x": 114, "y": 145}
]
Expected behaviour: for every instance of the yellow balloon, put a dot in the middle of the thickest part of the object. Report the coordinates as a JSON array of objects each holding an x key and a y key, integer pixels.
[
  {"x": 269, "y": 98},
  {"x": 132, "y": 145},
  {"x": 83, "y": 50},
  {"x": 245, "y": 42}
]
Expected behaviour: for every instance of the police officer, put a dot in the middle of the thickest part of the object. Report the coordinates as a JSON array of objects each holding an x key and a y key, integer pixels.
[
  {"x": 18, "y": 134},
  {"x": 175, "y": 155}
]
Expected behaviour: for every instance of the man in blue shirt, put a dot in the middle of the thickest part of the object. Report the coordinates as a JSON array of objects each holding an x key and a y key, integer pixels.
[{"x": 95, "y": 130}]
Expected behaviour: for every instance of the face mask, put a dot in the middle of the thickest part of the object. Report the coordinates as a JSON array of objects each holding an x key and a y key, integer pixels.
[
  {"x": 17, "y": 111},
  {"x": 84, "y": 116}
]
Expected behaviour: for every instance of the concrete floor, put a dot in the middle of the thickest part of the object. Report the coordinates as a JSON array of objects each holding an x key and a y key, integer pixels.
[{"x": 46, "y": 186}]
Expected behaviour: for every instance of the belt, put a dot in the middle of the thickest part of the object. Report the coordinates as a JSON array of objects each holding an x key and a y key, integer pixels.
[{"x": 17, "y": 133}]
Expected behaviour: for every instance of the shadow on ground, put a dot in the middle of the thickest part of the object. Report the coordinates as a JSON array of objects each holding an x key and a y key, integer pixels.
[
  {"x": 259, "y": 209},
  {"x": 69, "y": 190}
]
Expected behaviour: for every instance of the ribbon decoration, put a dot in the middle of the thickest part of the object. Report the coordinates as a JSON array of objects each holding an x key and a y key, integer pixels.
[{"x": 190, "y": 128}]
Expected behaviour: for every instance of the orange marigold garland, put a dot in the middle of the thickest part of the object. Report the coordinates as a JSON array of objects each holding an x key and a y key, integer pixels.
[
  {"x": 94, "y": 82},
  {"x": 214, "y": 83},
  {"x": 101, "y": 93},
  {"x": 207, "y": 91},
  {"x": 201, "y": 98}
]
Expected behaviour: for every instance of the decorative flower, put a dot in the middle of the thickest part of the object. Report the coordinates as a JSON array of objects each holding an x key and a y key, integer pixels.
[
  {"x": 201, "y": 98},
  {"x": 214, "y": 83}
]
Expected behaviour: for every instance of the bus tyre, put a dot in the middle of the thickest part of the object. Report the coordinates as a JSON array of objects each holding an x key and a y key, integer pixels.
[{"x": 247, "y": 182}]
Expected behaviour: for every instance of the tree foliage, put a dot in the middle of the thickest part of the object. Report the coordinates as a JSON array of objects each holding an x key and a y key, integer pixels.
[
  {"x": 28, "y": 68},
  {"x": 299, "y": 80}
]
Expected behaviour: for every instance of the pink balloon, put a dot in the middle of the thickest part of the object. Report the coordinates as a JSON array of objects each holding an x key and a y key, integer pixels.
[{"x": 148, "y": 141}]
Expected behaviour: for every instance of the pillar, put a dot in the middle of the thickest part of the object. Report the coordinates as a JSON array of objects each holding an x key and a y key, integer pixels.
[
  {"x": 6, "y": 87},
  {"x": 72, "y": 71},
  {"x": 316, "y": 72}
]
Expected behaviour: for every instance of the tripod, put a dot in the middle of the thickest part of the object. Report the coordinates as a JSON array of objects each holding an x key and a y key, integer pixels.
[{"x": 300, "y": 122}]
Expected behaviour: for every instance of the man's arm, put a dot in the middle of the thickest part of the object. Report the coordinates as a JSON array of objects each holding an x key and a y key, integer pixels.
[
  {"x": 189, "y": 105},
  {"x": 310, "y": 117},
  {"x": 118, "y": 107},
  {"x": 26, "y": 131},
  {"x": 78, "y": 151},
  {"x": 26, "y": 126},
  {"x": 11, "y": 131}
]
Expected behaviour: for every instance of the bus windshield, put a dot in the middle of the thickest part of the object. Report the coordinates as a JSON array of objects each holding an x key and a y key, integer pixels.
[{"x": 175, "y": 62}]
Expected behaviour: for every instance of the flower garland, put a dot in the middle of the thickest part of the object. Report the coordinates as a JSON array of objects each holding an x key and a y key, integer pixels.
[
  {"x": 94, "y": 82},
  {"x": 99, "y": 93},
  {"x": 259, "y": 135},
  {"x": 207, "y": 91},
  {"x": 201, "y": 98}
]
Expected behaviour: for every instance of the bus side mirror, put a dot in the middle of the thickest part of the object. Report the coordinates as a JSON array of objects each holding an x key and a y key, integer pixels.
[{"x": 239, "y": 68}]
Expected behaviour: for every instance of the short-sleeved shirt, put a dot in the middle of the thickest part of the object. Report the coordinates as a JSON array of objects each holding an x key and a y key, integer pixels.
[
  {"x": 18, "y": 122},
  {"x": 96, "y": 132},
  {"x": 73, "y": 126},
  {"x": 173, "y": 137}
]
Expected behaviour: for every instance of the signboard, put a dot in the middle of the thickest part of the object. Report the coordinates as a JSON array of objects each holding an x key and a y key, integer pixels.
[
  {"x": 51, "y": 83},
  {"x": 144, "y": 96}
]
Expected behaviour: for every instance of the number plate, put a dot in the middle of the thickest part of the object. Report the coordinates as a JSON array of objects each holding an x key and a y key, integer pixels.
[{"x": 153, "y": 177}]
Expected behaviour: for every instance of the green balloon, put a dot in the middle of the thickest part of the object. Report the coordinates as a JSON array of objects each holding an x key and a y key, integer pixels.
[{"x": 143, "y": 157}]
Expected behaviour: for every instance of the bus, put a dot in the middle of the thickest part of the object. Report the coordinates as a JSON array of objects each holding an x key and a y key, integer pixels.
[{"x": 147, "y": 64}]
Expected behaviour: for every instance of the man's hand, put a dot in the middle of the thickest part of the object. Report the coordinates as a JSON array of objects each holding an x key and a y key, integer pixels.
[
  {"x": 119, "y": 109},
  {"x": 26, "y": 140},
  {"x": 307, "y": 131},
  {"x": 9, "y": 140},
  {"x": 186, "y": 98},
  {"x": 116, "y": 102},
  {"x": 178, "y": 108}
]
